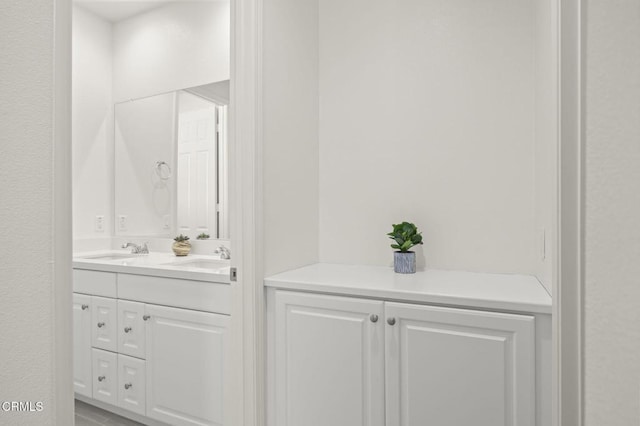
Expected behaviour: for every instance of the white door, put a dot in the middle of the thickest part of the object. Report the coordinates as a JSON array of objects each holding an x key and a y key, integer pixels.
[
  {"x": 197, "y": 170},
  {"x": 329, "y": 361},
  {"x": 131, "y": 335},
  {"x": 105, "y": 376},
  {"x": 82, "y": 383},
  {"x": 131, "y": 384},
  {"x": 105, "y": 321},
  {"x": 456, "y": 367},
  {"x": 186, "y": 366}
]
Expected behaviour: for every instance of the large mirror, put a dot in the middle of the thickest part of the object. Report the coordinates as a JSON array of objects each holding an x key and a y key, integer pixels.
[{"x": 171, "y": 164}]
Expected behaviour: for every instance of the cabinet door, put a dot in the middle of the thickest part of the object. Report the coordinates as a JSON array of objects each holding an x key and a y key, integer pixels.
[
  {"x": 186, "y": 360},
  {"x": 105, "y": 322},
  {"x": 131, "y": 335},
  {"x": 82, "y": 383},
  {"x": 105, "y": 376},
  {"x": 329, "y": 360},
  {"x": 131, "y": 384},
  {"x": 452, "y": 367}
]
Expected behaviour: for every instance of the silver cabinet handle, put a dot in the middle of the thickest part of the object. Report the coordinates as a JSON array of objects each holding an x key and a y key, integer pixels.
[
  {"x": 85, "y": 307},
  {"x": 101, "y": 378},
  {"x": 127, "y": 385},
  {"x": 373, "y": 318},
  {"x": 127, "y": 329},
  {"x": 391, "y": 321},
  {"x": 146, "y": 317},
  {"x": 101, "y": 324}
]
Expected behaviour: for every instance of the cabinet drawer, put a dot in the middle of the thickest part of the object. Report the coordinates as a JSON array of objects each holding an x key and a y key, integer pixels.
[
  {"x": 82, "y": 378},
  {"x": 197, "y": 295},
  {"x": 94, "y": 282},
  {"x": 105, "y": 376},
  {"x": 131, "y": 324},
  {"x": 131, "y": 384},
  {"x": 104, "y": 323}
]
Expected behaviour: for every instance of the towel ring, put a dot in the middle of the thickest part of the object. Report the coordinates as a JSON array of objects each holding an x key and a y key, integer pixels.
[{"x": 163, "y": 170}]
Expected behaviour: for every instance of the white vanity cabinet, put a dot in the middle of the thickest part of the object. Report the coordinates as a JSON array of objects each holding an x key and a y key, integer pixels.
[
  {"x": 347, "y": 350},
  {"x": 186, "y": 359},
  {"x": 156, "y": 364}
]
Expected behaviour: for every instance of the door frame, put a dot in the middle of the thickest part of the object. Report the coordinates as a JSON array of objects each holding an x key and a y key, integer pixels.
[
  {"x": 568, "y": 335},
  {"x": 245, "y": 198}
]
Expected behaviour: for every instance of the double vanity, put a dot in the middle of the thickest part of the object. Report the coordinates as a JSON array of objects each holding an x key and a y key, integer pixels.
[{"x": 151, "y": 335}]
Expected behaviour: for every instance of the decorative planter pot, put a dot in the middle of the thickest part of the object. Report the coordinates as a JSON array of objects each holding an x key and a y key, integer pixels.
[
  {"x": 181, "y": 248},
  {"x": 404, "y": 263}
]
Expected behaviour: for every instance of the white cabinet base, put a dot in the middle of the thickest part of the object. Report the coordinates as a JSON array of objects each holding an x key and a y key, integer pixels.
[{"x": 351, "y": 361}]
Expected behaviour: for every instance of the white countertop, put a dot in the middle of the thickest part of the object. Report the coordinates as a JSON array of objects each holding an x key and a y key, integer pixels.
[
  {"x": 520, "y": 293},
  {"x": 154, "y": 264}
]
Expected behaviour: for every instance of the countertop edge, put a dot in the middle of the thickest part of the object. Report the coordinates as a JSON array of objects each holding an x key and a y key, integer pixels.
[
  {"x": 281, "y": 281},
  {"x": 153, "y": 272}
]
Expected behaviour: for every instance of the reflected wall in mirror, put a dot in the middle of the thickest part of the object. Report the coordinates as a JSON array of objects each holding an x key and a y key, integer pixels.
[{"x": 171, "y": 164}]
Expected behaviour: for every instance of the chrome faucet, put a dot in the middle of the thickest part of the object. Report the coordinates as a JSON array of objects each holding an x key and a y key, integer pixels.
[
  {"x": 136, "y": 249},
  {"x": 224, "y": 252}
]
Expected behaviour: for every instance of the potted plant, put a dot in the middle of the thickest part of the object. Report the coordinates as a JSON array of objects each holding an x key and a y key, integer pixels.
[
  {"x": 203, "y": 236},
  {"x": 181, "y": 245},
  {"x": 405, "y": 235}
]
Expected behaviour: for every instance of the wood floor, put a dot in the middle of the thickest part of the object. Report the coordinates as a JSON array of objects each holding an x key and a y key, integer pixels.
[{"x": 88, "y": 415}]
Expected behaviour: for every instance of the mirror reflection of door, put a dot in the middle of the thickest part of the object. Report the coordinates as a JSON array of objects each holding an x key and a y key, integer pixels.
[{"x": 201, "y": 166}]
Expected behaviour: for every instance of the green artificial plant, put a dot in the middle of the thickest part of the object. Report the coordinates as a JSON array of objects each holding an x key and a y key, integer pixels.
[
  {"x": 405, "y": 235},
  {"x": 181, "y": 238}
]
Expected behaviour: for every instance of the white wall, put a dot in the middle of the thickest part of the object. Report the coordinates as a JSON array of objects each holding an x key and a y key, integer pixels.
[
  {"x": 35, "y": 218},
  {"x": 290, "y": 116},
  {"x": 427, "y": 115},
  {"x": 612, "y": 212},
  {"x": 180, "y": 45},
  {"x": 92, "y": 124}
]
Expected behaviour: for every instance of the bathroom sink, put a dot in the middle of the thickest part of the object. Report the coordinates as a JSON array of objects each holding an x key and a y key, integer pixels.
[
  {"x": 200, "y": 263},
  {"x": 109, "y": 256}
]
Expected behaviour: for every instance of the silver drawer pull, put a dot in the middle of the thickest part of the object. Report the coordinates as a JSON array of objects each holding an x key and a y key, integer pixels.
[
  {"x": 101, "y": 324},
  {"x": 146, "y": 317},
  {"x": 373, "y": 318},
  {"x": 391, "y": 321},
  {"x": 101, "y": 378},
  {"x": 85, "y": 307},
  {"x": 127, "y": 385},
  {"x": 127, "y": 329}
]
